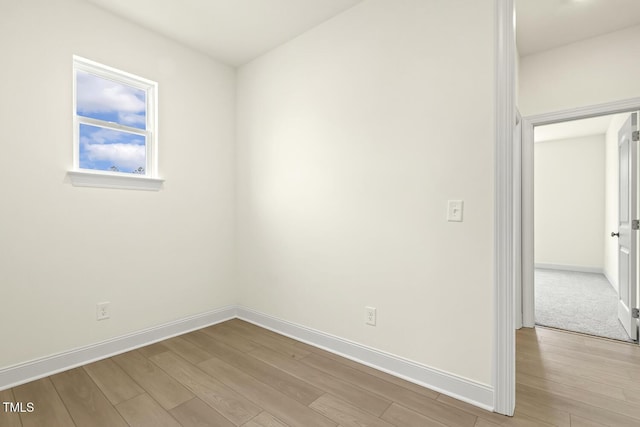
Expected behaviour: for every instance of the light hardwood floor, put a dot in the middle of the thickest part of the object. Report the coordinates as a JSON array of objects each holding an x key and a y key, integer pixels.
[{"x": 237, "y": 374}]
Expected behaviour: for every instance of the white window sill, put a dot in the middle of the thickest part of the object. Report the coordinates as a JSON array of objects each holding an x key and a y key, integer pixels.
[{"x": 108, "y": 180}]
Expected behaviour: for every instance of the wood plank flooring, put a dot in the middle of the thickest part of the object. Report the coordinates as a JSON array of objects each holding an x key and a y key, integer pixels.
[{"x": 237, "y": 374}]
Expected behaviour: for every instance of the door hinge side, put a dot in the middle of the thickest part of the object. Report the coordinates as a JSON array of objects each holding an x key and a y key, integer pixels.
[
  {"x": 635, "y": 135},
  {"x": 635, "y": 224},
  {"x": 635, "y": 313}
]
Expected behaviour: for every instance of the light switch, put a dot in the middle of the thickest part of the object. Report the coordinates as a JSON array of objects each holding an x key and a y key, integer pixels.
[{"x": 454, "y": 210}]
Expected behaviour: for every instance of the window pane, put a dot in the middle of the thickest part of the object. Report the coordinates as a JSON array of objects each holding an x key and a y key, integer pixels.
[
  {"x": 104, "y": 99},
  {"x": 111, "y": 150}
]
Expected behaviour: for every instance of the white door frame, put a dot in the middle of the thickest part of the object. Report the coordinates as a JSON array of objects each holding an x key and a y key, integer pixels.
[
  {"x": 517, "y": 218},
  {"x": 528, "y": 123},
  {"x": 504, "y": 233}
]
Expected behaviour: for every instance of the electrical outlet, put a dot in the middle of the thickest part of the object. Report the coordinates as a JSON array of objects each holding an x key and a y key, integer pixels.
[
  {"x": 370, "y": 316},
  {"x": 102, "y": 311}
]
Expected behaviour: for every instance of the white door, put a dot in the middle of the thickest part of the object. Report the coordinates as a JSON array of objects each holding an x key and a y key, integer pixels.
[{"x": 627, "y": 239}]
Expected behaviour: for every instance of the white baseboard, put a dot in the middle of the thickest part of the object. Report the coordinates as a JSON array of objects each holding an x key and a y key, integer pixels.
[
  {"x": 469, "y": 391},
  {"x": 613, "y": 284},
  {"x": 579, "y": 268},
  {"x": 43, "y": 367}
]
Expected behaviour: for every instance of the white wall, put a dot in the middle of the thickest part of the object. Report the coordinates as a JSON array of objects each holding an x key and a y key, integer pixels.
[
  {"x": 612, "y": 196},
  {"x": 569, "y": 194},
  {"x": 589, "y": 72},
  {"x": 351, "y": 139},
  {"x": 156, "y": 256}
]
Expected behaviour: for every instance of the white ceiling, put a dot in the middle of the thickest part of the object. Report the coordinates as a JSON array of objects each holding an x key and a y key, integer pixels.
[
  {"x": 232, "y": 31},
  {"x": 237, "y": 31},
  {"x": 574, "y": 128},
  {"x": 545, "y": 24}
]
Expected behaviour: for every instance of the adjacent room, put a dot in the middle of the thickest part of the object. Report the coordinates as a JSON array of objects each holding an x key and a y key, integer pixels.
[{"x": 576, "y": 226}]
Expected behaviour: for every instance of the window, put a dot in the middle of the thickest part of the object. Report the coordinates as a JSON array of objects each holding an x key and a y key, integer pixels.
[{"x": 115, "y": 138}]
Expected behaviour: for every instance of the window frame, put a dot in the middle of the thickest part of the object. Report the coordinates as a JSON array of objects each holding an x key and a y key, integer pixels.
[{"x": 115, "y": 179}]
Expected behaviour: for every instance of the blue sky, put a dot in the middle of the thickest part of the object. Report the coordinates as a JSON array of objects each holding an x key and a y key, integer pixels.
[{"x": 103, "y": 148}]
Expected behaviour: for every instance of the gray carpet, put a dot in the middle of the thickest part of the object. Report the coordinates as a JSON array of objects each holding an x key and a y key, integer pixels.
[{"x": 579, "y": 302}]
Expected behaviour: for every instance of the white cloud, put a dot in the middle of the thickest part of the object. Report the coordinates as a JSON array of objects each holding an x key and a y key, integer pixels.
[
  {"x": 125, "y": 156},
  {"x": 98, "y": 95},
  {"x": 132, "y": 119},
  {"x": 102, "y": 136},
  {"x": 115, "y": 148}
]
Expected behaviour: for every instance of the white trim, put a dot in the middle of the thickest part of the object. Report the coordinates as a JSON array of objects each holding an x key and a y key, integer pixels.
[
  {"x": 108, "y": 72},
  {"x": 504, "y": 380},
  {"x": 464, "y": 389},
  {"x": 460, "y": 388},
  {"x": 151, "y": 113},
  {"x": 614, "y": 107},
  {"x": 563, "y": 267},
  {"x": 613, "y": 284},
  {"x": 528, "y": 250},
  {"x": 112, "y": 125},
  {"x": 43, "y": 367},
  {"x": 528, "y": 124},
  {"x": 112, "y": 180},
  {"x": 517, "y": 219}
]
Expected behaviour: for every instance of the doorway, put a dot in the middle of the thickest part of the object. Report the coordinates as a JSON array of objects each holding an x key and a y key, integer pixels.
[
  {"x": 576, "y": 263},
  {"x": 570, "y": 208}
]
